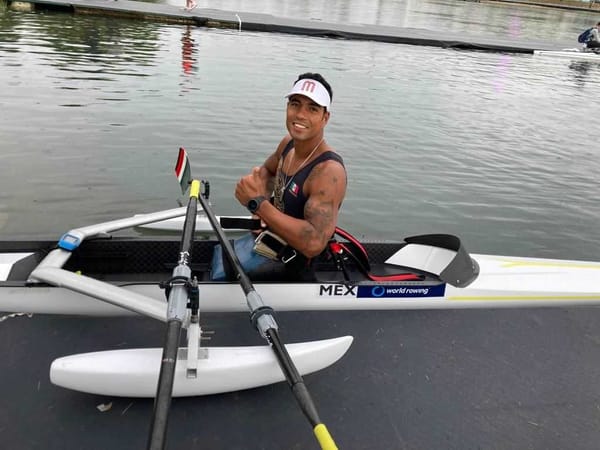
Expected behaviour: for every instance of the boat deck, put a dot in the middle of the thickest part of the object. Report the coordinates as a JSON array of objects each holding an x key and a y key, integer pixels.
[
  {"x": 411, "y": 380},
  {"x": 246, "y": 21},
  {"x": 151, "y": 260}
]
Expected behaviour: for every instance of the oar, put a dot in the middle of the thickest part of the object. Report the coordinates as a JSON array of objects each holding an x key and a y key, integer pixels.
[
  {"x": 176, "y": 311},
  {"x": 263, "y": 320}
]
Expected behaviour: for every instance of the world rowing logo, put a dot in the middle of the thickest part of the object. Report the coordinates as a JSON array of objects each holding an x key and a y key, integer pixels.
[
  {"x": 378, "y": 291},
  {"x": 401, "y": 291}
]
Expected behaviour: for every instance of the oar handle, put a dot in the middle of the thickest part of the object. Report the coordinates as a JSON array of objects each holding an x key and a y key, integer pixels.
[{"x": 325, "y": 440}]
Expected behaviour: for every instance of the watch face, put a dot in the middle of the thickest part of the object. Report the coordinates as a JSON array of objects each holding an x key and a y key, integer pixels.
[{"x": 254, "y": 203}]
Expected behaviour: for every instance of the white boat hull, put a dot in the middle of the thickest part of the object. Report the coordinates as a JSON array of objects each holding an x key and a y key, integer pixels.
[
  {"x": 175, "y": 224},
  {"x": 487, "y": 281},
  {"x": 503, "y": 282},
  {"x": 135, "y": 372},
  {"x": 569, "y": 54}
]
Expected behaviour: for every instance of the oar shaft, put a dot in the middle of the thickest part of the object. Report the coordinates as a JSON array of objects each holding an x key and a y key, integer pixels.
[
  {"x": 228, "y": 249},
  {"x": 162, "y": 402},
  {"x": 176, "y": 310},
  {"x": 261, "y": 315},
  {"x": 294, "y": 379},
  {"x": 189, "y": 227}
]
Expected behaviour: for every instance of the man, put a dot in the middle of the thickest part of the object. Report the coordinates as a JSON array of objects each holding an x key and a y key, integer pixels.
[
  {"x": 593, "y": 37},
  {"x": 305, "y": 176}
]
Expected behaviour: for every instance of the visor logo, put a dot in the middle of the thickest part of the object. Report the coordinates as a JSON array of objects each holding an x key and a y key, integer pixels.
[{"x": 308, "y": 86}]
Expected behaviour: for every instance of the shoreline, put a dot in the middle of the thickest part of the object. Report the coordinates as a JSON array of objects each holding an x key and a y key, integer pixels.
[
  {"x": 573, "y": 5},
  {"x": 214, "y": 18}
]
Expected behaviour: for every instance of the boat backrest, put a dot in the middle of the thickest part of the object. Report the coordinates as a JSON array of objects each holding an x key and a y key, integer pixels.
[
  {"x": 440, "y": 254},
  {"x": 422, "y": 257}
]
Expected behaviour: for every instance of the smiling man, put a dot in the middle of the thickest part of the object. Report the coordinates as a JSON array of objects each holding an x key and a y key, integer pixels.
[{"x": 299, "y": 189}]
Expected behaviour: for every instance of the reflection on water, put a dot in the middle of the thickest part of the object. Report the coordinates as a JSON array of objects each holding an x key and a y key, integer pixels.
[
  {"x": 72, "y": 41},
  {"x": 188, "y": 57},
  {"x": 495, "y": 148},
  {"x": 581, "y": 70}
]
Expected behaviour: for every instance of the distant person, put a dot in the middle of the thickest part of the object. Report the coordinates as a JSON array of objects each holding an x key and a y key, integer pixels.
[
  {"x": 190, "y": 4},
  {"x": 591, "y": 37}
]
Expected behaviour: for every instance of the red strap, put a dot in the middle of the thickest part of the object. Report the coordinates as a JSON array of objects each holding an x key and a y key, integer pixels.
[
  {"x": 351, "y": 238},
  {"x": 396, "y": 277},
  {"x": 335, "y": 247}
]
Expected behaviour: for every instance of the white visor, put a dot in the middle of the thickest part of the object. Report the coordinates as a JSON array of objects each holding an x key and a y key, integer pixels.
[{"x": 313, "y": 90}]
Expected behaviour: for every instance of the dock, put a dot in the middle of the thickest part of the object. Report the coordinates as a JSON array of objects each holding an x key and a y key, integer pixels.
[{"x": 245, "y": 21}]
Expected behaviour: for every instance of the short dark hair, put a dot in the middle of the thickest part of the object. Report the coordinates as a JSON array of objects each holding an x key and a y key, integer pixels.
[{"x": 318, "y": 77}]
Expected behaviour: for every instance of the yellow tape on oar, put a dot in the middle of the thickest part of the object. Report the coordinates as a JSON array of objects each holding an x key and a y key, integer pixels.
[
  {"x": 195, "y": 189},
  {"x": 324, "y": 437}
]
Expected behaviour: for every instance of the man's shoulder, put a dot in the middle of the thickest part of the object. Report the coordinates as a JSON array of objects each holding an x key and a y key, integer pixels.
[
  {"x": 285, "y": 142},
  {"x": 329, "y": 162},
  {"x": 331, "y": 156}
]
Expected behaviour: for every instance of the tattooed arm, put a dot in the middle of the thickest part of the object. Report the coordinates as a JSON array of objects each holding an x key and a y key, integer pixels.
[{"x": 325, "y": 189}]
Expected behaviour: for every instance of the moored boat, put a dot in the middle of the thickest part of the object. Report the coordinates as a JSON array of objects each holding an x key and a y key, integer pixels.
[
  {"x": 569, "y": 53},
  {"x": 175, "y": 224}
]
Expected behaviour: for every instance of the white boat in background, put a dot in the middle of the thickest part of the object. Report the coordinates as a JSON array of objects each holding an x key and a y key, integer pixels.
[
  {"x": 175, "y": 224},
  {"x": 569, "y": 53}
]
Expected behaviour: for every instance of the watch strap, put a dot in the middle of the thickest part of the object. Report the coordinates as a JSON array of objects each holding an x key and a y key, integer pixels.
[{"x": 255, "y": 203}]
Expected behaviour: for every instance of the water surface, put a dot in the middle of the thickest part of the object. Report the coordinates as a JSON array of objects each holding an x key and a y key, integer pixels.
[{"x": 497, "y": 148}]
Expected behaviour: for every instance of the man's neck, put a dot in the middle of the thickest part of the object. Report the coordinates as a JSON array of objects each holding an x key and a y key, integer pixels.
[{"x": 305, "y": 148}]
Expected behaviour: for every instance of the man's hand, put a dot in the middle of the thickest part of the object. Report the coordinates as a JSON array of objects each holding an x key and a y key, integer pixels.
[{"x": 250, "y": 186}]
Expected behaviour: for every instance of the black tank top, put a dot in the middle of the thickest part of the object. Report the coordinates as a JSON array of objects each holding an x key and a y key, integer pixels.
[{"x": 293, "y": 195}]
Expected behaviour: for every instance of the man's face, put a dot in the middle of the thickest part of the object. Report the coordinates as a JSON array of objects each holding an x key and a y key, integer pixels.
[{"x": 305, "y": 119}]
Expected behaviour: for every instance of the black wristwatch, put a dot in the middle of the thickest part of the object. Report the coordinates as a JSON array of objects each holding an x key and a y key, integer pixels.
[{"x": 254, "y": 203}]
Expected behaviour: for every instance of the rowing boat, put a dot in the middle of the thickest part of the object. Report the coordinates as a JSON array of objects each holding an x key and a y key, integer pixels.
[
  {"x": 572, "y": 53},
  {"x": 125, "y": 273},
  {"x": 133, "y": 267}
]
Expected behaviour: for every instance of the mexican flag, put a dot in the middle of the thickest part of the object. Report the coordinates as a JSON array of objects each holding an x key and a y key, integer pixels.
[{"x": 183, "y": 170}]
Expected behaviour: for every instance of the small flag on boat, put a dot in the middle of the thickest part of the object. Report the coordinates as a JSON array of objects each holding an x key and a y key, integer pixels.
[{"x": 183, "y": 170}]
